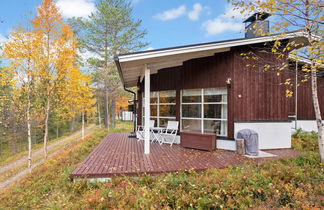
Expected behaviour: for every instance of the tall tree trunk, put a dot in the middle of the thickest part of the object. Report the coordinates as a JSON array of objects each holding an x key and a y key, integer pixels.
[
  {"x": 113, "y": 112},
  {"x": 73, "y": 124},
  {"x": 99, "y": 117},
  {"x": 318, "y": 116},
  {"x": 82, "y": 131},
  {"x": 46, "y": 127},
  {"x": 57, "y": 130},
  {"x": 29, "y": 132},
  {"x": 317, "y": 109},
  {"x": 106, "y": 108}
]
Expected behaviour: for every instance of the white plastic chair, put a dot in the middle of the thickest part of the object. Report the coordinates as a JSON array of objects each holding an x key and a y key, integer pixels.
[
  {"x": 169, "y": 134},
  {"x": 140, "y": 130}
]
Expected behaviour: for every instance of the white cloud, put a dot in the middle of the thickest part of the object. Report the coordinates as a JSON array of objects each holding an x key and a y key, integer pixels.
[
  {"x": 218, "y": 26},
  {"x": 195, "y": 12},
  {"x": 172, "y": 13},
  {"x": 76, "y": 8},
  {"x": 230, "y": 20}
]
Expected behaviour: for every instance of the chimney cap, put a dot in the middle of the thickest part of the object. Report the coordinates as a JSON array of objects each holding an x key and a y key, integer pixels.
[{"x": 257, "y": 16}]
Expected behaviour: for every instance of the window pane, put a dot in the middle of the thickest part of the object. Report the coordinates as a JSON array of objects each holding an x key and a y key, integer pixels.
[
  {"x": 215, "y": 126},
  {"x": 191, "y": 110},
  {"x": 154, "y": 97},
  {"x": 215, "y": 111},
  {"x": 153, "y": 110},
  {"x": 191, "y": 125},
  {"x": 168, "y": 96},
  {"x": 191, "y": 96},
  {"x": 215, "y": 95},
  {"x": 167, "y": 110},
  {"x": 163, "y": 122}
]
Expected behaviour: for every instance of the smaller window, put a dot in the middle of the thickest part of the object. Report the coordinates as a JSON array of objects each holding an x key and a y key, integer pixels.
[
  {"x": 215, "y": 95},
  {"x": 191, "y": 125},
  {"x": 191, "y": 110},
  {"x": 167, "y": 96},
  {"x": 216, "y": 126},
  {"x": 167, "y": 110},
  {"x": 154, "y": 97},
  {"x": 191, "y": 96}
]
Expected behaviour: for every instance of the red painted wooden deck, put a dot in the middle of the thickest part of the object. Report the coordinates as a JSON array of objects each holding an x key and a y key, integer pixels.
[{"x": 119, "y": 155}]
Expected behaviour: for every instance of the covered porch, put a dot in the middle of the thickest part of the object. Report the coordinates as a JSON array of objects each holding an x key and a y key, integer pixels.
[
  {"x": 119, "y": 155},
  {"x": 166, "y": 104}
]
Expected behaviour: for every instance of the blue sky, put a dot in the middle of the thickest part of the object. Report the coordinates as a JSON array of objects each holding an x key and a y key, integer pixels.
[{"x": 169, "y": 22}]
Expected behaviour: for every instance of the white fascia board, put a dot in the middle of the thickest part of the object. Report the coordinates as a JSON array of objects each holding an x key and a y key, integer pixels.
[
  {"x": 197, "y": 48},
  {"x": 299, "y": 58},
  {"x": 303, "y": 60}
]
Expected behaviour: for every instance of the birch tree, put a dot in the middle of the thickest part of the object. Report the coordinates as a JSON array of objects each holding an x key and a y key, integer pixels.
[
  {"x": 77, "y": 96},
  {"x": 57, "y": 54},
  {"x": 289, "y": 15},
  {"x": 22, "y": 52},
  {"x": 6, "y": 85}
]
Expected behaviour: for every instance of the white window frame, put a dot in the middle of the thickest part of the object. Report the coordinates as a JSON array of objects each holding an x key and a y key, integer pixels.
[
  {"x": 158, "y": 104},
  {"x": 202, "y": 103}
]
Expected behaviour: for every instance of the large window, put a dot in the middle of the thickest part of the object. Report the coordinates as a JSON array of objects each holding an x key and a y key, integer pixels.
[
  {"x": 204, "y": 110},
  {"x": 163, "y": 107}
]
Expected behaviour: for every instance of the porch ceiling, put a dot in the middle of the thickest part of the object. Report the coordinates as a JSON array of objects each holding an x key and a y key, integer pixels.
[{"x": 131, "y": 66}]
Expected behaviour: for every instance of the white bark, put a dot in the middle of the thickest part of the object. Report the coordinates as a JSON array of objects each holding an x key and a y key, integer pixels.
[
  {"x": 99, "y": 117},
  {"x": 317, "y": 110},
  {"x": 318, "y": 116},
  {"x": 29, "y": 129},
  {"x": 82, "y": 132},
  {"x": 47, "y": 108}
]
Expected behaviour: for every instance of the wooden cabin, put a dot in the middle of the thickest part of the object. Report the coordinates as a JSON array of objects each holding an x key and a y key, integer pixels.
[{"x": 210, "y": 88}]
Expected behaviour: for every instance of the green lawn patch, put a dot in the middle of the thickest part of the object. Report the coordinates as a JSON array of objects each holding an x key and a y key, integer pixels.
[{"x": 289, "y": 183}]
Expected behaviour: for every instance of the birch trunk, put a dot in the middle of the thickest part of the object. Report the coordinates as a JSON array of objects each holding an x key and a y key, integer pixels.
[
  {"x": 73, "y": 125},
  {"x": 57, "y": 130},
  {"x": 29, "y": 132},
  {"x": 82, "y": 131},
  {"x": 318, "y": 115},
  {"x": 317, "y": 110},
  {"x": 46, "y": 127}
]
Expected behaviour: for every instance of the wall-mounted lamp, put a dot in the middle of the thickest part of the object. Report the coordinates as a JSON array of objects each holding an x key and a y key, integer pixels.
[{"x": 228, "y": 82}]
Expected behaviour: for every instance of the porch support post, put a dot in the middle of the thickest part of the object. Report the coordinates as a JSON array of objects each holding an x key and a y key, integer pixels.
[{"x": 147, "y": 110}]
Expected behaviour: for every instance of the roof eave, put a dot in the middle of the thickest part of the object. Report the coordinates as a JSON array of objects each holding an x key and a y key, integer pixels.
[{"x": 187, "y": 49}]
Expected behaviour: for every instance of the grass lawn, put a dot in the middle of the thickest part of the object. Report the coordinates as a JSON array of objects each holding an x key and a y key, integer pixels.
[
  {"x": 289, "y": 183},
  {"x": 8, "y": 156}
]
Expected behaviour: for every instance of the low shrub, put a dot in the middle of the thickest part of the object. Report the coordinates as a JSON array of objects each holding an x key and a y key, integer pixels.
[
  {"x": 305, "y": 141},
  {"x": 295, "y": 183}
]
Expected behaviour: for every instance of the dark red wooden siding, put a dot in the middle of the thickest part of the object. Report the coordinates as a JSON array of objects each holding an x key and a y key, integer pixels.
[
  {"x": 258, "y": 95},
  {"x": 254, "y": 95},
  {"x": 197, "y": 73}
]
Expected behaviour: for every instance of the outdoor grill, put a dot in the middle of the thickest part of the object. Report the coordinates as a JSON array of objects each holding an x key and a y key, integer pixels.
[{"x": 251, "y": 141}]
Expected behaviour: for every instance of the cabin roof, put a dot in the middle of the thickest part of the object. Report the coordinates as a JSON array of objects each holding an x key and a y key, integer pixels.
[{"x": 131, "y": 65}]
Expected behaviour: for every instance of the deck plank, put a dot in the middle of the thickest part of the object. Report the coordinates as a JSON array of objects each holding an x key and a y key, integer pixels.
[{"x": 119, "y": 155}]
